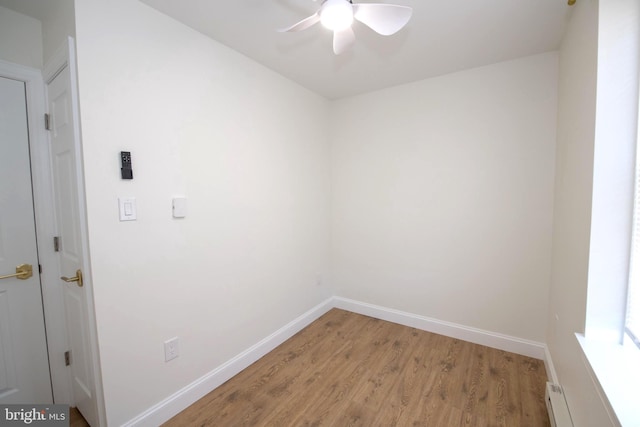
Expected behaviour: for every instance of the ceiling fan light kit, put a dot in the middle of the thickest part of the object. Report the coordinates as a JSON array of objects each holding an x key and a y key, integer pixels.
[{"x": 338, "y": 16}]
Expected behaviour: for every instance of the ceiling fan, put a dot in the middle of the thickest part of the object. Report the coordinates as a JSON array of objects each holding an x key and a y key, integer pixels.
[{"x": 338, "y": 15}]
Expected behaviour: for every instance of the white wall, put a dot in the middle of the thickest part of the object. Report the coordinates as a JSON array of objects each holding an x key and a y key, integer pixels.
[
  {"x": 57, "y": 24},
  {"x": 249, "y": 150},
  {"x": 20, "y": 38},
  {"x": 38, "y": 30},
  {"x": 442, "y": 196}
]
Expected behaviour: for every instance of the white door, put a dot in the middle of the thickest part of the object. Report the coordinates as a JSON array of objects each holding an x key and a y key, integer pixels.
[
  {"x": 66, "y": 179},
  {"x": 24, "y": 363}
]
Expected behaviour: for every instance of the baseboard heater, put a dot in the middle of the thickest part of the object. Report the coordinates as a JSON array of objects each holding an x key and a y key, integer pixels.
[{"x": 557, "y": 406}]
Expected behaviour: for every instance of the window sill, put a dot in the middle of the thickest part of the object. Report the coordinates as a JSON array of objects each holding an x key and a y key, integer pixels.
[{"x": 617, "y": 371}]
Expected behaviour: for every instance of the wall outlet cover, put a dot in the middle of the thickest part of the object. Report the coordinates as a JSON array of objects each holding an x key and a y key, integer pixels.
[{"x": 171, "y": 349}]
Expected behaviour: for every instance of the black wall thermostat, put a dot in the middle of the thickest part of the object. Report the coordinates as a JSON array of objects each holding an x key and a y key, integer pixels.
[{"x": 125, "y": 171}]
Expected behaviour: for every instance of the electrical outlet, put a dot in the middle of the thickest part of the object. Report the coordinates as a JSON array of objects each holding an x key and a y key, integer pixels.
[
  {"x": 318, "y": 279},
  {"x": 171, "y": 349}
]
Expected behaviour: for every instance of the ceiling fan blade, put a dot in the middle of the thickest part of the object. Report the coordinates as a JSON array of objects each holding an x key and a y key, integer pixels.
[
  {"x": 385, "y": 19},
  {"x": 302, "y": 25},
  {"x": 342, "y": 40}
]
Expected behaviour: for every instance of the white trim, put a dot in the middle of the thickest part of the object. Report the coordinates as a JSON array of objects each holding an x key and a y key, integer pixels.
[
  {"x": 45, "y": 226},
  {"x": 65, "y": 55},
  {"x": 466, "y": 333},
  {"x": 84, "y": 230},
  {"x": 552, "y": 375},
  {"x": 512, "y": 344},
  {"x": 614, "y": 370},
  {"x": 56, "y": 63},
  {"x": 180, "y": 400},
  {"x": 177, "y": 402}
]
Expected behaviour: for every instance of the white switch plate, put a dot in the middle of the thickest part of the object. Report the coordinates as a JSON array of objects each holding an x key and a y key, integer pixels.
[
  {"x": 179, "y": 207},
  {"x": 128, "y": 211}
]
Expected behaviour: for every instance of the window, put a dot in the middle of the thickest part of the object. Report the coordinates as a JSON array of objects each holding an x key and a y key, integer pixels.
[{"x": 632, "y": 324}]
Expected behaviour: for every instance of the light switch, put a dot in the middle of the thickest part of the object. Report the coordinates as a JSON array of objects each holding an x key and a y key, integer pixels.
[
  {"x": 127, "y": 208},
  {"x": 179, "y": 207}
]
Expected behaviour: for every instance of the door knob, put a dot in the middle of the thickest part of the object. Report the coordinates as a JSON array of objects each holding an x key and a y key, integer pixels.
[
  {"x": 77, "y": 278},
  {"x": 23, "y": 272}
]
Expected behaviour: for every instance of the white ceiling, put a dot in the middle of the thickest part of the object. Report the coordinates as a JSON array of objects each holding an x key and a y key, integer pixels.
[
  {"x": 442, "y": 36},
  {"x": 38, "y": 9}
]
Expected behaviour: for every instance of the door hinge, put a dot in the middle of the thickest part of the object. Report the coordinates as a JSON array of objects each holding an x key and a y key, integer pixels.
[
  {"x": 67, "y": 358},
  {"x": 56, "y": 244},
  {"x": 47, "y": 121},
  {"x": 40, "y": 268}
]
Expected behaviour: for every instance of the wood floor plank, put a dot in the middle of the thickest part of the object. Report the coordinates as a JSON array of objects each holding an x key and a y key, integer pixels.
[
  {"x": 76, "y": 419},
  {"x": 321, "y": 387},
  {"x": 351, "y": 370},
  {"x": 339, "y": 378}
]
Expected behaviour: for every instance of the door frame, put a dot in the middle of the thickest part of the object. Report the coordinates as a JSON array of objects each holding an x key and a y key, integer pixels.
[
  {"x": 46, "y": 225},
  {"x": 65, "y": 56}
]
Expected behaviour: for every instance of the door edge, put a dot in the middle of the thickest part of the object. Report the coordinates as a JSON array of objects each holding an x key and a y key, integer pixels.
[{"x": 65, "y": 55}]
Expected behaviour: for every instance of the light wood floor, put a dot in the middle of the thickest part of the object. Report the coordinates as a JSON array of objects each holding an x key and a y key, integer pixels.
[
  {"x": 351, "y": 370},
  {"x": 76, "y": 419}
]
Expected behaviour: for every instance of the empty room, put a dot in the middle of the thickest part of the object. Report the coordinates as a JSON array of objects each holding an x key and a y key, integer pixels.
[{"x": 234, "y": 213}]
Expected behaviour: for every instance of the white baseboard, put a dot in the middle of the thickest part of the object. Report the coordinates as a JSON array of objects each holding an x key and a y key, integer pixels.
[
  {"x": 516, "y": 345},
  {"x": 177, "y": 402},
  {"x": 548, "y": 364},
  {"x": 477, "y": 336},
  {"x": 180, "y": 400}
]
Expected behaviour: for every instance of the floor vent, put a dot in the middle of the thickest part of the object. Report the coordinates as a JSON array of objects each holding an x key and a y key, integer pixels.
[{"x": 557, "y": 406}]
